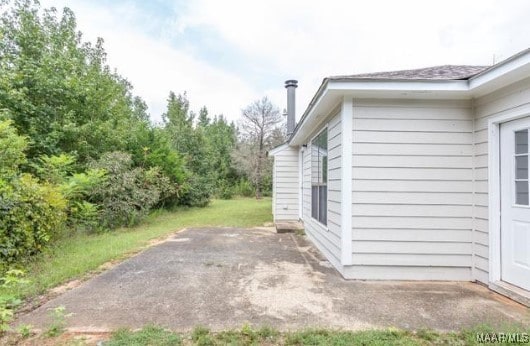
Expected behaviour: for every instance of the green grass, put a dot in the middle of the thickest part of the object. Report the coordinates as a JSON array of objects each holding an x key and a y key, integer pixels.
[
  {"x": 149, "y": 335},
  {"x": 76, "y": 256},
  {"x": 268, "y": 336}
]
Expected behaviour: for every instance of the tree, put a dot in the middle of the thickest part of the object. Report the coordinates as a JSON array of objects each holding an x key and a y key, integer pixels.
[
  {"x": 204, "y": 120},
  {"x": 58, "y": 89},
  {"x": 259, "y": 121},
  {"x": 221, "y": 138},
  {"x": 192, "y": 145}
]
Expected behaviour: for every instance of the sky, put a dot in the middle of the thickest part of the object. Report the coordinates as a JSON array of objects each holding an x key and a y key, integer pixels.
[{"x": 227, "y": 54}]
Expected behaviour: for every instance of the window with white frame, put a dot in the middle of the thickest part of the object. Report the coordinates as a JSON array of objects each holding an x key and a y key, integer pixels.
[
  {"x": 521, "y": 167},
  {"x": 319, "y": 177}
]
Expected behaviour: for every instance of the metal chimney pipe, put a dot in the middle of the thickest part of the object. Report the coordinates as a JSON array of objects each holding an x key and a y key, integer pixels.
[{"x": 291, "y": 86}]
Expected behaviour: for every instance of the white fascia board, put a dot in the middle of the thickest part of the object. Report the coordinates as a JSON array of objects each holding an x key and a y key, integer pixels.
[
  {"x": 420, "y": 86},
  {"x": 299, "y": 136},
  {"x": 511, "y": 70}
]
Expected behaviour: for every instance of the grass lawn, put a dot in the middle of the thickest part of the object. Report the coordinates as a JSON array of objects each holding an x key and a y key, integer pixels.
[
  {"x": 267, "y": 336},
  {"x": 76, "y": 256}
]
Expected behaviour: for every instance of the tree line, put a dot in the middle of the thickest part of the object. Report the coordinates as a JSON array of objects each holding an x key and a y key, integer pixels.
[{"x": 79, "y": 153}]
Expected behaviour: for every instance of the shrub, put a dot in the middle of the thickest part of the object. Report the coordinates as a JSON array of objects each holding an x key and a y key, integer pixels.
[
  {"x": 126, "y": 195},
  {"x": 196, "y": 192},
  {"x": 244, "y": 188},
  {"x": 76, "y": 187},
  {"x": 167, "y": 190},
  {"x": 54, "y": 169},
  {"x": 225, "y": 192},
  {"x": 31, "y": 214},
  {"x": 12, "y": 147},
  {"x": 82, "y": 215},
  {"x": 8, "y": 303}
]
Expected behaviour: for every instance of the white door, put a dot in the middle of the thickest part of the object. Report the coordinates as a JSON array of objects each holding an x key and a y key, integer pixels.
[{"x": 515, "y": 204}]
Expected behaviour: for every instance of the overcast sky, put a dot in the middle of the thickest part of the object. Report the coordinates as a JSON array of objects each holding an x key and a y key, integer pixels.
[{"x": 226, "y": 54}]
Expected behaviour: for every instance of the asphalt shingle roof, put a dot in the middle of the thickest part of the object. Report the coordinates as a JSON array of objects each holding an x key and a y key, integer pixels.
[{"x": 444, "y": 72}]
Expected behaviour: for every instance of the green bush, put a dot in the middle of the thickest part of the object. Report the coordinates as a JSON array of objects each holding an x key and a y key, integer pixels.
[
  {"x": 126, "y": 195},
  {"x": 76, "y": 188},
  {"x": 12, "y": 147},
  {"x": 31, "y": 214},
  {"x": 168, "y": 191},
  {"x": 11, "y": 279},
  {"x": 244, "y": 188},
  {"x": 225, "y": 191},
  {"x": 196, "y": 192}
]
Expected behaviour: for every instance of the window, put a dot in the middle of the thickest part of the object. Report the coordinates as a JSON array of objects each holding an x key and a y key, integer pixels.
[
  {"x": 319, "y": 177},
  {"x": 521, "y": 167}
]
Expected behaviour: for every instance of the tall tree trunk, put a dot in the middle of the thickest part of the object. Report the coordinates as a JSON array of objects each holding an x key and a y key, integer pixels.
[
  {"x": 258, "y": 177},
  {"x": 259, "y": 166}
]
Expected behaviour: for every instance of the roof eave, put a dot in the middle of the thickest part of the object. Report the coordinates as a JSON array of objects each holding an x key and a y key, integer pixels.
[
  {"x": 502, "y": 74},
  {"x": 332, "y": 90}
]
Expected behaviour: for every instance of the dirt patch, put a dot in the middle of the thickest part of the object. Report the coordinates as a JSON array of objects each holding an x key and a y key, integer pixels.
[{"x": 285, "y": 289}]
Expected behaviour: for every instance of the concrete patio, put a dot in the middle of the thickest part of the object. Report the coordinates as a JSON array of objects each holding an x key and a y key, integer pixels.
[{"x": 225, "y": 277}]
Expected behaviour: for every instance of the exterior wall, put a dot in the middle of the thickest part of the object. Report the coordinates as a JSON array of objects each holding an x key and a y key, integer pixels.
[
  {"x": 326, "y": 238},
  {"x": 508, "y": 98},
  {"x": 285, "y": 185},
  {"x": 412, "y": 190}
]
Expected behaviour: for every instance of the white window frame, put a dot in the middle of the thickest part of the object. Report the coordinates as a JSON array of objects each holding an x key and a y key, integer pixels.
[{"x": 325, "y": 128}]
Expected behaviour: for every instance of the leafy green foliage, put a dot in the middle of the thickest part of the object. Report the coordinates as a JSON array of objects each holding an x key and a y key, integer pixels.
[
  {"x": 72, "y": 109},
  {"x": 77, "y": 150},
  {"x": 54, "y": 169},
  {"x": 31, "y": 213},
  {"x": 57, "y": 88},
  {"x": 191, "y": 143},
  {"x": 126, "y": 195},
  {"x": 151, "y": 149},
  {"x": 12, "y": 147},
  {"x": 58, "y": 324},
  {"x": 206, "y": 148},
  {"x": 11, "y": 280},
  {"x": 25, "y": 330},
  {"x": 244, "y": 188}
]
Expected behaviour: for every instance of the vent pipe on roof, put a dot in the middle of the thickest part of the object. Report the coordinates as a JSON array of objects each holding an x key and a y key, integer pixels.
[{"x": 291, "y": 86}]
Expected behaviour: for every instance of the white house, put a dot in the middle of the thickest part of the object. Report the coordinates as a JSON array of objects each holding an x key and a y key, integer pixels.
[{"x": 415, "y": 175}]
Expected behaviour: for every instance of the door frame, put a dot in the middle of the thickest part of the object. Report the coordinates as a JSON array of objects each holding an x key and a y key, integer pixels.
[{"x": 494, "y": 187}]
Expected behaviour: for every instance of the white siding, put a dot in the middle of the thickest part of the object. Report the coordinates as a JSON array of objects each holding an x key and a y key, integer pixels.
[
  {"x": 412, "y": 190},
  {"x": 326, "y": 238},
  {"x": 285, "y": 185},
  {"x": 514, "y": 96}
]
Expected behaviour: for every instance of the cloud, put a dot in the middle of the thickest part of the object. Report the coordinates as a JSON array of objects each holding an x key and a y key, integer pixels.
[
  {"x": 154, "y": 66},
  {"x": 228, "y": 53}
]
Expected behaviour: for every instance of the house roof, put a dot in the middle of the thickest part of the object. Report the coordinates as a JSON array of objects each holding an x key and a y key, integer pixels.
[
  {"x": 444, "y": 72},
  {"x": 442, "y": 82}
]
